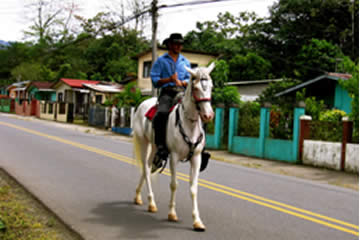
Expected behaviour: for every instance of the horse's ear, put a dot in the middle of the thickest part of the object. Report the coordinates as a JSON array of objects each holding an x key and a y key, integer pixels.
[
  {"x": 192, "y": 72},
  {"x": 211, "y": 67}
]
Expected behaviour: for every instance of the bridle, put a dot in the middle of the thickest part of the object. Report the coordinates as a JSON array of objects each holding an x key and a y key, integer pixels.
[
  {"x": 196, "y": 99},
  {"x": 192, "y": 146}
]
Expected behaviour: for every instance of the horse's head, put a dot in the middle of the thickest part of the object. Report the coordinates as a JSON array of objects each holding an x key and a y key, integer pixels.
[{"x": 200, "y": 88}]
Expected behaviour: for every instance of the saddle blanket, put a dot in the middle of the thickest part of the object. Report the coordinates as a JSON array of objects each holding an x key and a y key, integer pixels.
[{"x": 150, "y": 114}]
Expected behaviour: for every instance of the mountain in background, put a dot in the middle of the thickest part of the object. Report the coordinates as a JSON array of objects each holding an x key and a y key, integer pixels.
[{"x": 4, "y": 43}]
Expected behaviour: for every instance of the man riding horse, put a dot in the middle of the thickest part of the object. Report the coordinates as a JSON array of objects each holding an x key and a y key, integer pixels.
[{"x": 170, "y": 76}]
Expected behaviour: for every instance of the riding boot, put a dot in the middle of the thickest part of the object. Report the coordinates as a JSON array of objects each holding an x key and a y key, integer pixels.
[
  {"x": 160, "y": 123},
  {"x": 205, "y": 156}
]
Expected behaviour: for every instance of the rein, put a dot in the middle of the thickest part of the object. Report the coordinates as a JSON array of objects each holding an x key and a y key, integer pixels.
[{"x": 192, "y": 146}]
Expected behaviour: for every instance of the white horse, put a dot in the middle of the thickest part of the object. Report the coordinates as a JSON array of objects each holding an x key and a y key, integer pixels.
[{"x": 185, "y": 140}]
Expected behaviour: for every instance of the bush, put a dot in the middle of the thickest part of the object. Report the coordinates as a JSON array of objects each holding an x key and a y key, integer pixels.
[
  {"x": 333, "y": 115},
  {"x": 314, "y": 107},
  {"x": 227, "y": 95},
  {"x": 249, "y": 119},
  {"x": 326, "y": 131},
  {"x": 281, "y": 122},
  {"x": 352, "y": 86},
  {"x": 130, "y": 97}
]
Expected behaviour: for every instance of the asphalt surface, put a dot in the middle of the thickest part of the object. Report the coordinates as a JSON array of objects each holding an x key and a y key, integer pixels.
[{"x": 89, "y": 181}]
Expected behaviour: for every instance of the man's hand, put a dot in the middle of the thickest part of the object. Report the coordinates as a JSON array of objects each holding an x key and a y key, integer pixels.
[{"x": 174, "y": 79}]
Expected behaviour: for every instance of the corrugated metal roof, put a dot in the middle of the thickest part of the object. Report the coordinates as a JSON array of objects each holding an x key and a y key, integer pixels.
[
  {"x": 104, "y": 88},
  {"x": 331, "y": 76},
  {"x": 250, "y": 82},
  {"x": 42, "y": 85}
]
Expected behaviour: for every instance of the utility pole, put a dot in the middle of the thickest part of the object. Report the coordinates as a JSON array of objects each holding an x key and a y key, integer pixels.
[
  {"x": 353, "y": 29},
  {"x": 154, "y": 16}
]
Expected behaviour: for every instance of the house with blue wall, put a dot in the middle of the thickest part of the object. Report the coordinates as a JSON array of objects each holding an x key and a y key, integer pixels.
[
  {"x": 326, "y": 87},
  {"x": 41, "y": 91}
]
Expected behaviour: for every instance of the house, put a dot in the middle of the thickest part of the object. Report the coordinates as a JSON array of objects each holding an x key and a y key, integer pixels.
[
  {"x": 3, "y": 91},
  {"x": 251, "y": 90},
  {"x": 41, "y": 91},
  {"x": 196, "y": 59},
  {"x": 18, "y": 90},
  {"x": 73, "y": 91},
  {"x": 102, "y": 91},
  {"x": 326, "y": 87}
]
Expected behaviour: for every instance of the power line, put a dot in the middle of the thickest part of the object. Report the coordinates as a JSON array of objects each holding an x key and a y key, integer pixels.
[{"x": 192, "y": 3}]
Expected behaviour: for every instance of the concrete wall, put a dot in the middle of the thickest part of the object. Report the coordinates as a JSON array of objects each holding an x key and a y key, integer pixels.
[
  {"x": 352, "y": 158},
  {"x": 322, "y": 154},
  {"x": 62, "y": 117},
  {"x": 45, "y": 112}
]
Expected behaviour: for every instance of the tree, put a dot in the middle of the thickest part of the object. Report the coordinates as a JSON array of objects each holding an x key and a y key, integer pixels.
[
  {"x": 53, "y": 21},
  {"x": 316, "y": 58},
  {"x": 220, "y": 74},
  {"x": 293, "y": 23},
  {"x": 32, "y": 72},
  {"x": 352, "y": 86},
  {"x": 249, "y": 67}
]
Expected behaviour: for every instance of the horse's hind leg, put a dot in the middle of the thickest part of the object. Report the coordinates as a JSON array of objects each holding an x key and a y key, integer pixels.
[
  {"x": 138, "y": 200},
  {"x": 172, "y": 216},
  {"x": 194, "y": 176},
  {"x": 143, "y": 151}
]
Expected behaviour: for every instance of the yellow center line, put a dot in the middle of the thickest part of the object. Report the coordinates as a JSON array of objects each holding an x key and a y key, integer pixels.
[
  {"x": 274, "y": 202},
  {"x": 211, "y": 185}
]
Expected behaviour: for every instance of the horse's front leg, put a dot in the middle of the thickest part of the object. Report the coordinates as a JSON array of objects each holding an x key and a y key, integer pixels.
[
  {"x": 172, "y": 216},
  {"x": 147, "y": 170},
  {"x": 194, "y": 177}
]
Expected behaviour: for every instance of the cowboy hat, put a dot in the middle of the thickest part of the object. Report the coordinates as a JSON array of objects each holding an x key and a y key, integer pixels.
[{"x": 174, "y": 38}]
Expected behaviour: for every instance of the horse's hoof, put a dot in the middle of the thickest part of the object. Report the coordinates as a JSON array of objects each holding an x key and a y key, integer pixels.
[
  {"x": 152, "y": 209},
  {"x": 199, "y": 227},
  {"x": 172, "y": 217},
  {"x": 138, "y": 201}
]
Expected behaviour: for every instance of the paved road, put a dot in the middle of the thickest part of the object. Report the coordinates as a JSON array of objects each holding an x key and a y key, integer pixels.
[{"x": 89, "y": 181}]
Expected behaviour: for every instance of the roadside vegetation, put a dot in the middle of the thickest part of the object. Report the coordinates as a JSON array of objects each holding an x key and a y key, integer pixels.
[{"x": 22, "y": 217}]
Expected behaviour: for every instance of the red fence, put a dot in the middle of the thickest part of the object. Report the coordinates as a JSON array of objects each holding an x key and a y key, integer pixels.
[{"x": 26, "y": 108}]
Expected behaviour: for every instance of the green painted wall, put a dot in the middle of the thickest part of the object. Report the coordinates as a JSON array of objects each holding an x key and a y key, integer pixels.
[
  {"x": 342, "y": 99},
  {"x": 215, "y": 140},
  {"x": 265, "y": 147}
]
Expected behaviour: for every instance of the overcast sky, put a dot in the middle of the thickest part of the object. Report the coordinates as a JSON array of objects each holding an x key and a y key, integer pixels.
[{"x": 13, "y": 20}]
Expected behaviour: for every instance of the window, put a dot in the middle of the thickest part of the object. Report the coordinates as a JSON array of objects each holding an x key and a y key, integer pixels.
[
  {"x": 60, "y": 97},
  {"x": 98, "y": 99},
  {"x": 62, "y": 108},
  {"x": 51, "y": 106},
  {"x": 147, "y": 69},
  {"x": 44, "y": 107}
]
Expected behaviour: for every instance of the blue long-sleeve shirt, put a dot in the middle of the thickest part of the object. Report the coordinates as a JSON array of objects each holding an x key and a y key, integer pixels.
[{"x": 165, "y": 67}]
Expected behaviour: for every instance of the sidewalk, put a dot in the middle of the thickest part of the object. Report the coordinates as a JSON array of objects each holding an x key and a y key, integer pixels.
[{"x": 320, "y": 175}]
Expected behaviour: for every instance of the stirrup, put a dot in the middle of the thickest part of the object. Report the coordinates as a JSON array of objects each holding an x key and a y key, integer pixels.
[{"x": 160, "y": 160}]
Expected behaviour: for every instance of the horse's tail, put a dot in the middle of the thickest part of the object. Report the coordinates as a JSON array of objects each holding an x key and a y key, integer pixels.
[{"x": 137, "y": 151}]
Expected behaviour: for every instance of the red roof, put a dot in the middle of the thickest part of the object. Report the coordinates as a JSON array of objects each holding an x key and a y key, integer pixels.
[{"x": 77, "y": 83}]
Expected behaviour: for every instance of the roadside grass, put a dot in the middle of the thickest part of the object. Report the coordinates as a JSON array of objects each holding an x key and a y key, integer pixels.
[{"x": 22, "y": 217}]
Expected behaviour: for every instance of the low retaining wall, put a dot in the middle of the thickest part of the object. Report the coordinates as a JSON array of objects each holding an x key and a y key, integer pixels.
[
  {"x": 342, "y": 156},
  {"x": 352, "y": 158},
  {"x": 322, "y": 154}
]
